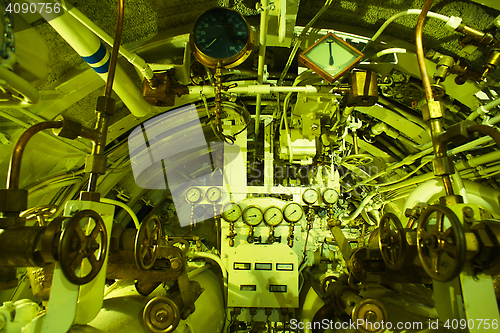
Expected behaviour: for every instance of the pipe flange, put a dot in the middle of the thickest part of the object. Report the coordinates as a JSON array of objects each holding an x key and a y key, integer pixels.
[{"x": 161, "y": 315}]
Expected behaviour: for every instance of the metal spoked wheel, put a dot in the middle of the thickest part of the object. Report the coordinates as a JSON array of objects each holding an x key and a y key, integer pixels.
[
  {"x": 75, "y": 246},
  {"x": 146, "y": 243},
  {"x": 357, "y": 160},
  {"x": 40, "y": 212},
  {"x": 391, "y": 240},
  {"x": 442, "y": 252}
]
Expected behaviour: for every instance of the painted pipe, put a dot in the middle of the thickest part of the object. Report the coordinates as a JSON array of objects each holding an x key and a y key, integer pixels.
[
  {"x": 125, "y": 207},
  {"x": 483, "y": 109},
  {"x": 264, "y": 16},
  {"x": 252, "y": 89},
  {"x": 14, "y": 81},
  {"x": 92, "y": 50}
]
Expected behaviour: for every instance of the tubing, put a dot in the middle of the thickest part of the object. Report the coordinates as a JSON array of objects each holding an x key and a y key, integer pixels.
[
  {"x": 133, "y": 58},
  {"x": 125, "y": 207},
  {"x": 89, "y": 46},
  {"x": 361, "y": 206},
  {"x": 426, "y": 82},
  {"x": 488, "y": 130},
  {"x": 17, "y": 154},
  {"x": 264, "y": 16},
  {"x": 483, "y": 109},
  {"x": 20, "y": 85}
]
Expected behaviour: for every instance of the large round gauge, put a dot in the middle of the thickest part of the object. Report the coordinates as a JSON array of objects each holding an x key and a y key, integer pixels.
[
  {"x": 213, "y": 194},
  {"x": 231, "y": 212},
  {"x": 221, "y": 36},
  {"x": 273, "y": 216},
  {"x": 293, "y": 212},
  {"x": 310, "y": 196},
  {"x": 193, "y": 195},
  {"x": 330, "y": 196},
  {"x": 252, "y": 215}
]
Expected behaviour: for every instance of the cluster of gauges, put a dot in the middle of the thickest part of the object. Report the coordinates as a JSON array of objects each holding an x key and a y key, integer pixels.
[
  {"x": 329, "y": 196},
  {"x": 195, "y": 194},
  {"x": 253, "y": 215}
]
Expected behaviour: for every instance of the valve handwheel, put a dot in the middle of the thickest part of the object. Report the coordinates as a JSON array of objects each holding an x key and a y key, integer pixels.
[
  {"x": 40, "y": 212},
  {"x": 357, "y": 160},
  {"x": 442, "y": 252},
  {"x": 391, "y": 240},
  {"x": 75, "y": 246},
  {"x": 146, "y": 243}
]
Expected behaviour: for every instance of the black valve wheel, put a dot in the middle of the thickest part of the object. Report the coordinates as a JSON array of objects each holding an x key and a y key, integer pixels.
[
  {"x": 75, "y": 246},
  {"x": 146, "y": 243},
  {"x": 442, "y": 252},
  {"x": 357, "y": 160},
  {"x": 391, "y": 240}
]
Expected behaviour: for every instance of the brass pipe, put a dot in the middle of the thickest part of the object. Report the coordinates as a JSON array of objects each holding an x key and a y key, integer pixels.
[
  {"x": 17, "y": 154},
  {"x": 114, "y": 52},
  {"x": 426, "y": 82}
]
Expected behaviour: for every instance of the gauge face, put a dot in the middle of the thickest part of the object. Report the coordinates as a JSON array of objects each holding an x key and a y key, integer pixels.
[
  {"x": 213, "y": 194},
  {"x": 310, "y": 196},
  {"x": 293, "y": 212},
  {"x": 231, "y": 212},
  {"x": 252, "y": 215},
  {"x": 221, "y": 35},
  {"x": 273, "y": 216},
  {"x": 331, "y": 57},
  {"x": 193, "y": 195},
  {"x": 330, "y": 196}
]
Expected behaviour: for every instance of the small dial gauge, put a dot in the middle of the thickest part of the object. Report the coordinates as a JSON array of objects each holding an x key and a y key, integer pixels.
[
  {"x": 273, "y": 216},
  {"x": 293, "y": 212},
  {"x": 330, "y": 196},
  {"x": 193, "y": 195},
  {"x": 252, "y": 215},
  {"x": 310, "y": 196},
  {"x": 213, "y": 194},
  {"x": 231, "y": 212}
]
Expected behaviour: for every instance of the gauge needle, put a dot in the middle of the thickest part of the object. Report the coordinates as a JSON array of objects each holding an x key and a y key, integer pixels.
[
  {"x": 214, "y": 42},
  {"x": 272, "y": 217},
  {"x": 331, "y": 56}
]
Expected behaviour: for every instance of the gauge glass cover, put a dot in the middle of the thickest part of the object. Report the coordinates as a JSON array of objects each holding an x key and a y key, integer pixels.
[
  {"x": 330, "y": 196},
  {"x": 193, "y": 195},
  {"x": 273, "y": 216},
  {"x": 252, "y": 215},
  {"x": 331, "y": 57},
  {"x": 293, "y": 212},
  {"x": 231, "y": 212},
  {"x": 310, "y": 196},
  {"x": 213, "y": 194},
  {"x": 221, "y": 35}
]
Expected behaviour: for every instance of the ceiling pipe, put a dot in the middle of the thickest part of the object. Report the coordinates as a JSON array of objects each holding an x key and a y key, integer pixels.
[
  {"x": 93, "y": 51},
  {"x": 264, "y": 16}
]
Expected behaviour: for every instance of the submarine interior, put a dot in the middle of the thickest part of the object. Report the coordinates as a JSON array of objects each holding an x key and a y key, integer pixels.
[{"x": 249, "y": 166}]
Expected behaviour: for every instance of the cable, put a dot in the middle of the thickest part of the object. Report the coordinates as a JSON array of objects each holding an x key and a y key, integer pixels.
[{"x": 125, "y": 207}]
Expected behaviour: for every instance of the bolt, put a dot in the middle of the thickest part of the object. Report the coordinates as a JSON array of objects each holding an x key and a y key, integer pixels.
[
  {"x": 161, "y": 316},
  {"x": 175, "y": 264},
  {"x": 314, "y": 127},
  {"x": 468, "y": 212},
  {"x": 370, "y": 317},
  {"x": 92, "y": 246}
]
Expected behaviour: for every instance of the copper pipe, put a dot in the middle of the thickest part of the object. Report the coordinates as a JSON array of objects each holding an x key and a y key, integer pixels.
[
  {"x": 17, "y": 154},
  {"x": 114, "y": 52},
  {"x": 488, "y": 130},
  {"x": 420, "y": 51}
]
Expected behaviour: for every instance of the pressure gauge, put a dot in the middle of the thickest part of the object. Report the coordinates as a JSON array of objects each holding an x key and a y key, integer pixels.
[
  {"x": 310, "y": 196},
  {"x": 193, "y": 195},
  {"x": 221, "y": 36},
  {"x": 231, "y": 212},
  {"x": 331, "y": 57},
  {"x": 292, "y": 212},
  {"x": 330, "y": 196},
  {"x": 252, "y": 215},
  {"x": 273, "y": 216},
  {"x": 213, "y": 194}
]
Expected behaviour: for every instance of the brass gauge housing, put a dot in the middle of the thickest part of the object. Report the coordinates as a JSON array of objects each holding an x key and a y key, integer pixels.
[
  {"x": 292, "y": 212},
  {"x": 213, "y": 194},
  {"x": 252, "y": 215},
  {"x": 310, "y": 196},
  {"x": 194, "y": 195},
  {"x": 231, "y": 212},
  {"x": 221, "y": 36},
  {"x": 273, "y": 216}
]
